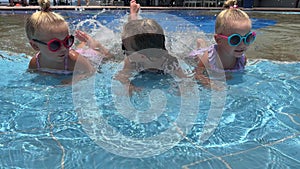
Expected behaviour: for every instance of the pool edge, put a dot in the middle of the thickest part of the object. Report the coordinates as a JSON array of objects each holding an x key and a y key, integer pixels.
[{"x": 25, "y": 8}]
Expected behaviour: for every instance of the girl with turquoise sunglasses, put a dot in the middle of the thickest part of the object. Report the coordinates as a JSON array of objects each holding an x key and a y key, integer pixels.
[{"x": 233, "y": 36}]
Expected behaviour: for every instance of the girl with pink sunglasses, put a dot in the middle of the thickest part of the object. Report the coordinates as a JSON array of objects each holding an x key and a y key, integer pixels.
[{"x": 48, "y": 33}]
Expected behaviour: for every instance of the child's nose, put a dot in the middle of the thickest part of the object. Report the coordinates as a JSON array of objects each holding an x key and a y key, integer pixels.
[
  {"x": 242, "y": 43},
  {"x": 63, "y": 48}
]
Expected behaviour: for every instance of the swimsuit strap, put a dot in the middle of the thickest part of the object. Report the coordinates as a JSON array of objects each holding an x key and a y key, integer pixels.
[
  {"x": 37, "y": 60},
  {"x": 66, "y": 62},
  {"x": 240, "y": 63},
  {"x": 37, "y": 56}
]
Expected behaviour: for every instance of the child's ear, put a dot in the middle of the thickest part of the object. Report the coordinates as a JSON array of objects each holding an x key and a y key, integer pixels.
[
  {"x": 217, "y": 39},
  {"x": 34, "y": 46}
]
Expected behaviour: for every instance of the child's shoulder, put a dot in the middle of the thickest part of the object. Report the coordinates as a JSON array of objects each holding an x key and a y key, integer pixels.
[
  {"x": 172, "y": 59},
  {"x": 33, "y": 63},
  {"x": 73, "y": 55},
  {"x": 204, "y": 60}
]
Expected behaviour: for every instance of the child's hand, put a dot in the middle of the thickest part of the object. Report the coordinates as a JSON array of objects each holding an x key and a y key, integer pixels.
[
  {"x": 201, "y": 43},
  {"x": 86, "y": 40},
  {"x": 82, "y": 36}
]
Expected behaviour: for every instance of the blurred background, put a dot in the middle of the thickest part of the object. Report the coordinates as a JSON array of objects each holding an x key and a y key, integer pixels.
[{"x": 190, "y": 3}]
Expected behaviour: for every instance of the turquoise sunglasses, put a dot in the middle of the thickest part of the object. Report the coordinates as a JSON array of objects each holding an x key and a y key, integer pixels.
[{"x": 236, "y": 39}]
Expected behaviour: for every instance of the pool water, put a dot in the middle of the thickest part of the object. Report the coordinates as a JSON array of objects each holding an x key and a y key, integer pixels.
[
  {"x": 45, "y": 124},
  {"x": 40, "y": 128}
]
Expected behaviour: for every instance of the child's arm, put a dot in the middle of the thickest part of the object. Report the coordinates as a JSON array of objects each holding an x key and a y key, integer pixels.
[
  {"x": 201, "y": 43},
  {"x": 202, "y": 75},
  {"x": 87, "y": 40},
  {"x": 201, "y": 71},
  {"x": 82, "y": 68},
  {"x": 32, "y": 64},
  {"x": 124, "y": 75}
]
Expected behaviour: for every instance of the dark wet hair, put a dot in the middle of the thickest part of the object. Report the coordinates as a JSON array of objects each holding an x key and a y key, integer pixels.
[{"x": 142, "y": 34}]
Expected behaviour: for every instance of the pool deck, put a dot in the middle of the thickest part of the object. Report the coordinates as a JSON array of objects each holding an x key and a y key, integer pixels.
[{"x": 25, "y": 8}]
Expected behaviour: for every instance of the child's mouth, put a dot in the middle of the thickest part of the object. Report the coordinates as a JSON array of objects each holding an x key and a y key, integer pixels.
[{"x": 239, "y": 51}]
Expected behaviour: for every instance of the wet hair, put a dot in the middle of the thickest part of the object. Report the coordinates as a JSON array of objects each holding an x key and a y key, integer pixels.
[
  {"x": 142, "y": 34},
  {"x": 43, "y": 20},
  {"x": 230, "y": 14}
]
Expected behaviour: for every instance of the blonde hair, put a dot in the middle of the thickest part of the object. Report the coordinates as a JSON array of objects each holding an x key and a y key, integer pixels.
[
  {"x": 43, "y": 20},
  {"x": 229, "y": 15},
  {"x": 143, "y": 34}
]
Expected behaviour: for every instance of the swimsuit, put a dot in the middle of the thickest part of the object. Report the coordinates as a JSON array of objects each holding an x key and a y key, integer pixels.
[
  {"x": 53, "y": 71},
  {"x": 212, "y": 59},
  {"x": 91, "y": 54}
]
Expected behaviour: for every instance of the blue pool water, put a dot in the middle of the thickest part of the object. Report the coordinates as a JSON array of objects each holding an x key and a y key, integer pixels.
[
  {"x": 44, "y": 124},
  {"x": 170, "y": 20}
]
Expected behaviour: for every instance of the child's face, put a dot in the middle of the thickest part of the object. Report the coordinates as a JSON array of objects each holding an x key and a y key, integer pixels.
[
  {"x": 145, "y": 62},
  {"x": 60, "y": 33},
  {"x": 138, "y": 59},
  {"x": 241, "y": 28}
]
